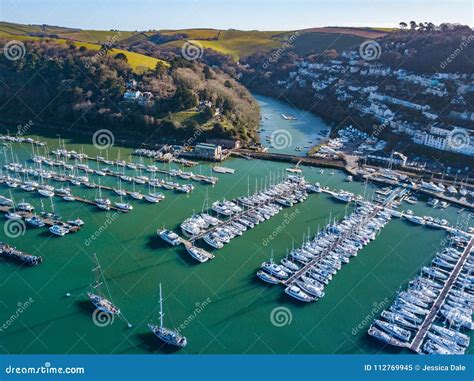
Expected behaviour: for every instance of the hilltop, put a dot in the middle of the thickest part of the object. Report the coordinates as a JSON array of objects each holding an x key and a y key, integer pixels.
[{"x": 236, "y": 43}]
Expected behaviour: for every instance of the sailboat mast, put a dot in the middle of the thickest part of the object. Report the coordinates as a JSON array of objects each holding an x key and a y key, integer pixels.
[{"x": 161, "y": 309}]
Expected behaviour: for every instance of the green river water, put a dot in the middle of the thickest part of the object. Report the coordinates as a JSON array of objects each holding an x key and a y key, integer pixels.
[{"x": 221, "y": 306}]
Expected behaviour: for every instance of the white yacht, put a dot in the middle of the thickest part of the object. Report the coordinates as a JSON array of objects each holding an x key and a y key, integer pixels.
[
  {"x": 167, "y": 335},
  {"x": 59, "y": 230},
  {"x": 46, "y": 192},
  {"x": 212, "y": 241},
  {"x": 343, "y": 196},
  {"x": 416, "y": 219},
  {"x": 25, "y": 207},
  {"x": 35, "y": 221},
  {"x": 266, "y": 277},
  {"x": 297, "y": 293},
  {"x": 197, "y": 253},
  {"x": 154, "y": 197},
  {"x": 169, "y": 236},
  {"x": 96, "y": 297},
  {"x": 123, "y": 206}
]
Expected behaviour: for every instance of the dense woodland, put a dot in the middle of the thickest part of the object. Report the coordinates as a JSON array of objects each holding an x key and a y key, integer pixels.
[{"x": 69, "y": 87}]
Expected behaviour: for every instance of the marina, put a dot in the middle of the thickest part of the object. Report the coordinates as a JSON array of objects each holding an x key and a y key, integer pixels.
[{"x": 230, "y": 298}]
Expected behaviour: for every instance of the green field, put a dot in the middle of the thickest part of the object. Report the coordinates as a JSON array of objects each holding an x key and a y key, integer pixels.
[
  {"x": 236, "y": 43},
  {"x": 240, "y": 44},
  {"x": 138, "y": 62}
]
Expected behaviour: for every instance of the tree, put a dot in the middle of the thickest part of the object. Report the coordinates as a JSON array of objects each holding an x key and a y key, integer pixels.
[
  {"x": 413, "y": 25},
  {"x": 121, "y": 56},
  {"x": 160, "y": 69},
  {"x": 207, "y": 113},
  {"x": 403, "y": 25}
]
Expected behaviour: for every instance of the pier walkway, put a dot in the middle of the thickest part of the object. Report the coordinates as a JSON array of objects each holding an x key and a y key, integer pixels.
[{"x": 431, "y": 316}]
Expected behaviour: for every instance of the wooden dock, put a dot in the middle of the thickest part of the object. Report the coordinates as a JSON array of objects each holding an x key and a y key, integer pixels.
[
  {"x": 84, "y": 200},
  {"x": 47, "y": 220},
  {"x": 431, "y": 316}
]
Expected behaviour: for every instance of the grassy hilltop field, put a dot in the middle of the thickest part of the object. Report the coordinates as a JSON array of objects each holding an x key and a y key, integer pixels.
[{"x": 236, "y": 43}]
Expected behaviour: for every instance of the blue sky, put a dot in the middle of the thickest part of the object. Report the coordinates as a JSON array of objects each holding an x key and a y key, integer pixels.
[{"x": 239, "y": 14}]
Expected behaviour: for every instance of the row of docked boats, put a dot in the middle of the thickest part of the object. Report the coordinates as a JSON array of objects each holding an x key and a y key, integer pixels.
[
  {"x": 400, "y": 323},
  {"x": 12, "y": 253},
  {"x": 234, "y": 217},
  {"x": 308, "y": 269},
  {"x": 440, "y": 188},
  {"x": 71, "y": 177},
  {"x": 195, "y": 252},
  {"x": 26, "y": 211},
  {"x": 21, "y": 139},
  {"x": 428, "y": 221},
  {"x": 185, "y": 175}
]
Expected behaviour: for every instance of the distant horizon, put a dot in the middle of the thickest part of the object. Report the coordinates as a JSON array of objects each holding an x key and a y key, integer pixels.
[
  {"x": 262, "y": 15},
  {"x": 202, "y": 27}
]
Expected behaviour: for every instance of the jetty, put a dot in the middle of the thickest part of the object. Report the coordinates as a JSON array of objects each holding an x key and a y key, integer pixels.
[
  {"x": 12, "y": 253},
  {"x": 439, "y": 301},
  {"x": 325, "y": 253}
]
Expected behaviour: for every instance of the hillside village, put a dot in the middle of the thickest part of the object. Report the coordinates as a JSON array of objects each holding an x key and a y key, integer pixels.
[{"x": 436, "y": 114}]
